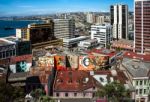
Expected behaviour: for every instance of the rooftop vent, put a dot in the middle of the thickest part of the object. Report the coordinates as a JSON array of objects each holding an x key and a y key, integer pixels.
[
  {"x": 114, "y": 72},
  {"x": 128, "y": 54},
  {"x": 92, "y": 73},
  {"x": 85, "y": 80},
  {"x": 135, "y": 63}
]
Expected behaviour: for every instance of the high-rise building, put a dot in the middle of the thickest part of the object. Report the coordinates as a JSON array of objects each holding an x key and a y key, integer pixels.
[
  {"x": 64, "y": 28},
  {"x": 119, "y": 21},
  {"x": 103, "y": 33},
  {"x": 142, "y": 25},
  {"x": 90, "y": 18},
  {"x": 100, "y": 19}
]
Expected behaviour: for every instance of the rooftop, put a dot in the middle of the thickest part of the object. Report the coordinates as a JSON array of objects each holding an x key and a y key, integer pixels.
[
  {"x": 3, "y": 43},
  {"x": 137, "y": 68},
  {"x": 74, "y": 81},
  {"x": 107, "y": 52},
  {"x": 123, "y": 41},
  {"x": 132, "y": 55}
]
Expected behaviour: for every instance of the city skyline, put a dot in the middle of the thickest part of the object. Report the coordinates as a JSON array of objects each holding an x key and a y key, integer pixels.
[{"x": 30, "y": 7}]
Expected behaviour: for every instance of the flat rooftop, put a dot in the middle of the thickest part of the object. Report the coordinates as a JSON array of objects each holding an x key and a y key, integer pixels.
[
  {"x": 3, "y": 43},
  {"x": 11, "y": 38}
]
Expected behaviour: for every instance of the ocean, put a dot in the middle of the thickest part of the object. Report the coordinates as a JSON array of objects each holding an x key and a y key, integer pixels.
[{"x": 4, "y": 32}]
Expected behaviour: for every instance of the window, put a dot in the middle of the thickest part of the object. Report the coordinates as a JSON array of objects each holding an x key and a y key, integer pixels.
[
  {"x": 66, "y": 94},
  {"x": 70, "y": 81},
  {"x": 59, "y": 80},
  {"x": 57, "y": 94},
  {"x": 93, "y": 94},
  {"x": 101, "y": 79},
  {"x": 145, "y": 82},
  {"x": 84, "y": 94},
  {"x": 136, "y": 82},
  {"x": 140, "y": 91},
  {"x": 0, "y": 55},
  {"x": 144, "y": 91},
  {"x": 137, "y": 91},
  {"x": 140, "y": 82},
  {"x": 75, "y": 94}
]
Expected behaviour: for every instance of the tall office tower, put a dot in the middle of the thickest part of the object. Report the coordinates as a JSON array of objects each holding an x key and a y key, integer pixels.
[
  {"x": 64, "y": 28},
  {"x": 90, "y": 18},
  {"x": 103, "y": 33},
  {"x": 119, "y": 21},
  {"x": 142, "y": 25}
]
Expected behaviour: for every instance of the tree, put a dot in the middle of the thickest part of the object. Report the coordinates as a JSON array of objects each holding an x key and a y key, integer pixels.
[
  {"x": 37, "y": 94},
  {"x": 47, "y": 99},
  {"x": 8, "y": 93},
  {"x": 40, "y": 96},
  {"x": 113, "y": 91}
]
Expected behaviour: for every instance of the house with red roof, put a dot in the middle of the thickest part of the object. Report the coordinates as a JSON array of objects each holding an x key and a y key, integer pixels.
[{"x": 74, "y": 84}]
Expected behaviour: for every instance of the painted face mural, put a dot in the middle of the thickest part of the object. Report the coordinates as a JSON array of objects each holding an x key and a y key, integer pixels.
[{"x": 85, "y": 63}]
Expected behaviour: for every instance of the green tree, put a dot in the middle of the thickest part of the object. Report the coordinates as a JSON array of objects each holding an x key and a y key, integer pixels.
[
  {"x": 47, "y": 99},
  {"x": 8, "y": 93},
  {"x": 113, "y": 91},
  {"x": 37, "y": 94}
]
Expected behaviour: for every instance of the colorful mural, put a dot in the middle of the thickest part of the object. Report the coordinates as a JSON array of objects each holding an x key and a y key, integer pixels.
[{"x": 60, "y": 62}]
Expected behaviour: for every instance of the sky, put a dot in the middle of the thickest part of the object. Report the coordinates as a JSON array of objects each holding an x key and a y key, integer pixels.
[{"x": 31, "y": 7}]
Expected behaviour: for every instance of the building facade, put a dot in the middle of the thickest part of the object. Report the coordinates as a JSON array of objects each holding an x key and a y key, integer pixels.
[
  {"x": 64, "y": 28},
  {"x": 69, "y": 43},
  {"x": 88, "y": 44},
  {"x": 90, "y": 18},
  {"x": 100, "y": 19},
  {"x": 142, "y": 25},
  {"x": 21, "y": 33},
  {"x": 7, "y": 49},
  {"x": 37, "y": 33},
  {"x": 119, "y": 21},
  {"x": 103, "y": 33}
]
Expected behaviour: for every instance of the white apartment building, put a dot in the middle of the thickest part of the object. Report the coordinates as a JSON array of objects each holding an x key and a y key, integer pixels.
[
  {"x": 119, "y": 21},
  {"x": 138, "y": 74},
  {"x": 103, "y": 33},
  {"x": 64, "y": 28},
  {"x": 21, "y": 32},
  {"x": 90, "y": 18}
]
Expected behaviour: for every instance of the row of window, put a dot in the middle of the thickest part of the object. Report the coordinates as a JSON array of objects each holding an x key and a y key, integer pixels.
[
  {"x": 141, "y": 91},
  {"x": 141, "y": 82},
  {"x": 75, "y": 94},
  {"x": 7, "y": 54}
]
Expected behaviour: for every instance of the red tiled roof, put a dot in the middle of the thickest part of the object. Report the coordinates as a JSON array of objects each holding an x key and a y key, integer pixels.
[
  {"x": 73, "y": 81},
  {"x": 101, "y": 51},
  {"x": 133, "y": 55},
  {"x": 121, "y": 77},
  {"x": 103, "y": 72}
]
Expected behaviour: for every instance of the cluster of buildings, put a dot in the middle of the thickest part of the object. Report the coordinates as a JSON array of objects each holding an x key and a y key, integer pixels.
[
  {"x": 97, "y": 19},
  {"x": 50, "y": 57}
]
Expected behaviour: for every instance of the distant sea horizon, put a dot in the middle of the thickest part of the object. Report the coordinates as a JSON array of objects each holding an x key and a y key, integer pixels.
[{"x": 8, "y": 27}]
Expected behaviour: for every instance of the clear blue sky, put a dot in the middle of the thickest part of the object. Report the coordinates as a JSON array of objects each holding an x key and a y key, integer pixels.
[{"x": 28, "y": 7}]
